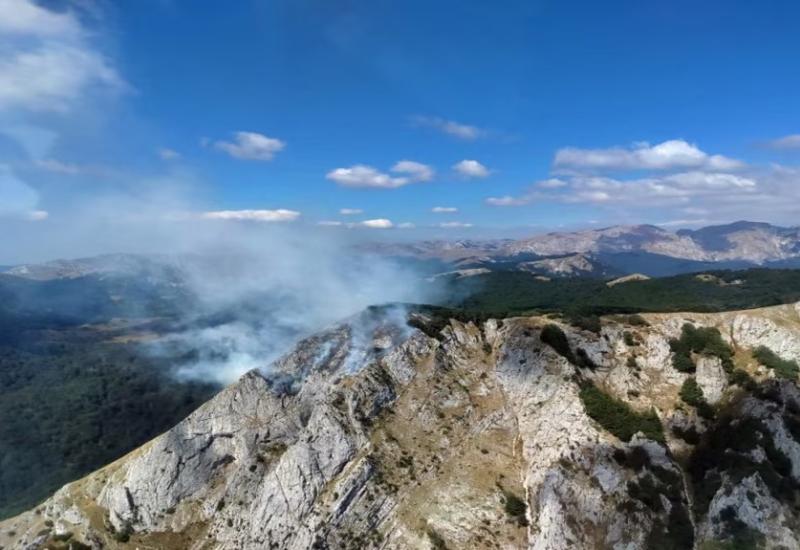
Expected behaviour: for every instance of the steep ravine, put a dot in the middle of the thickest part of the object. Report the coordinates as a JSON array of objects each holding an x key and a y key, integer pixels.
[{"x": 491, "y": 435}]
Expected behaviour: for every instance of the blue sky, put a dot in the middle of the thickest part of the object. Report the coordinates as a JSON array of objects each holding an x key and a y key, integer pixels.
[{"x": 568, "y": 114}]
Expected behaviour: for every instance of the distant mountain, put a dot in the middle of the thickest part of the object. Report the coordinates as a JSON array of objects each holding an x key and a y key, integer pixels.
[
  {"x": 102, "y": 265},
  {"x": 92, "y": 290},
  {"x": 567, "y": 265},
  {"x": 622, "y": 249}
]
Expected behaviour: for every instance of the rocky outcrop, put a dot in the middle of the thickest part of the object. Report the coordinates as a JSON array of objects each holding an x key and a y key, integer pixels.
[{"x": 374, "y": 434}]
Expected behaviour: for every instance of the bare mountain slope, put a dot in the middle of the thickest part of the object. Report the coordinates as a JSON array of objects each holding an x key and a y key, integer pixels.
[
  {"x": 749, "y": 242},
  {"x": 377, "y": 435}
]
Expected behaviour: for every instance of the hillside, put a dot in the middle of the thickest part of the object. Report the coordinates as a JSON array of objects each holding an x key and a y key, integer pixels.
[
  {"x": 659, "y": 431},
  {"x": 73, "y": 400},
  {"x": 512, "y": 293}
]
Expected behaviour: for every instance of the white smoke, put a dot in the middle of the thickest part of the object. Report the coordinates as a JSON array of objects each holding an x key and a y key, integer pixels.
[
  {"x": 258, "y": 294},
  {"x": 259, "y": 286}
]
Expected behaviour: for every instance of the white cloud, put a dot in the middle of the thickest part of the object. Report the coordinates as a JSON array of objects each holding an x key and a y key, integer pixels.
[
  {"x": 454, "y": 225},
  {"x": 350, "y": 211},
  {"x": 415, "y": 170},
  {"x": 48, "y": 62},
  {"x": 450, "y": 127},
  {"x": 38, "y": 215},
  {"x": 786, "y": 142},
  {"x": 682, "y": 223},
  {"x": 330, "y": 223},
  {"x": 361, "y": 175},
  {"x": 58, "y": 167},
  {"x": 506, "y": 200},
  {"x": 279, "y": 215},
  {"x": 672, "y": 189},
  {"x": 380, "y": 223},
  {"x": 24, "y": 17},
  {"x": 444, "y": 209},
  {"x": 406, "y": 225},
  {"x": 168, "y": 154},
  {"x": 669, "y": 155},
  {"x": 552, "y": 183},
  {"x": 251, "y": 146},
  {"x": 71, "y": 169},
  {"x": 471, "y": 169}
]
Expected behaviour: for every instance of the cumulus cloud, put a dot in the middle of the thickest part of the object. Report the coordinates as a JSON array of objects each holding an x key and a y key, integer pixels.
[
  {"x": 379, "y": 223},
  {"x": 48, "y": 61},
  {"x": 330, "y": 223},
  {"x": 471, "y": 169},
  {"x": 672, "y": 189},
  {"x": 786, "y": 142},
  {"x": 674, "y": 154},
  {"x": 279, "y": 215},
  {"x": 415, "y": 170},
  {"x": 361, "y": 175},
  {"x": 251, "y": 146},
  {"x": 444, "y": 209},
  {"x": 350, "y": 211},
  {"x": 450, "y": 127}
]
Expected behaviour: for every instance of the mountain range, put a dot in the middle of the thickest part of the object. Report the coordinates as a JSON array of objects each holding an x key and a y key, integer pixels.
[
  {"x": 667, "y": 431},
  {"x": 620, "y": 250}
]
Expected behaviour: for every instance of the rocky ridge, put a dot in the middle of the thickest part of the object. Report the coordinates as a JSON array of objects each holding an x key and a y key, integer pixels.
[{"x": 459, "y": 434}]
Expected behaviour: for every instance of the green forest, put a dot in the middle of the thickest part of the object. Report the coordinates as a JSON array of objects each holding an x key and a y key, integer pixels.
[
  {"x": 515, "y": 293},
  {"x": 70, "y": 405}
]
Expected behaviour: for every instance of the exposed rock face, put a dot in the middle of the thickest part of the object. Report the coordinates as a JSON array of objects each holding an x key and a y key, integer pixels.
[
  {"x": 377, "y": 435},
  {"x": 574, "y": 264}
]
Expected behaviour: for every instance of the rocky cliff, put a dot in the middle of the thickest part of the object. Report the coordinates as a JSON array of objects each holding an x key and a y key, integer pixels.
[{"x": 520, "y": 433}]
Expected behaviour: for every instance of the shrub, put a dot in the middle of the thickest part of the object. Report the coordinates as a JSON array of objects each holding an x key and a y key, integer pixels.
[
  {"x": 123, "y": 534},
  {"x": 583, "y": 359},
  {"x": 627, "y": 336},
  {"x": 689, "y": 435},
  {"x": 586, "y": 322},
  {"x": 437, "y": 542},
  {"x": 553, "y": 336},
  {"x": 783, "y": 368},
  {"x": 742, "y": 379},
  {"x": 683, "y": 363},
  {"x": 636, "y": 320},
  {"x": 618, "y": 417},
  {"x": 703, "y": 340},
  {"x": 692, "y": 394},
  {"x": 515, "y": 507}
]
